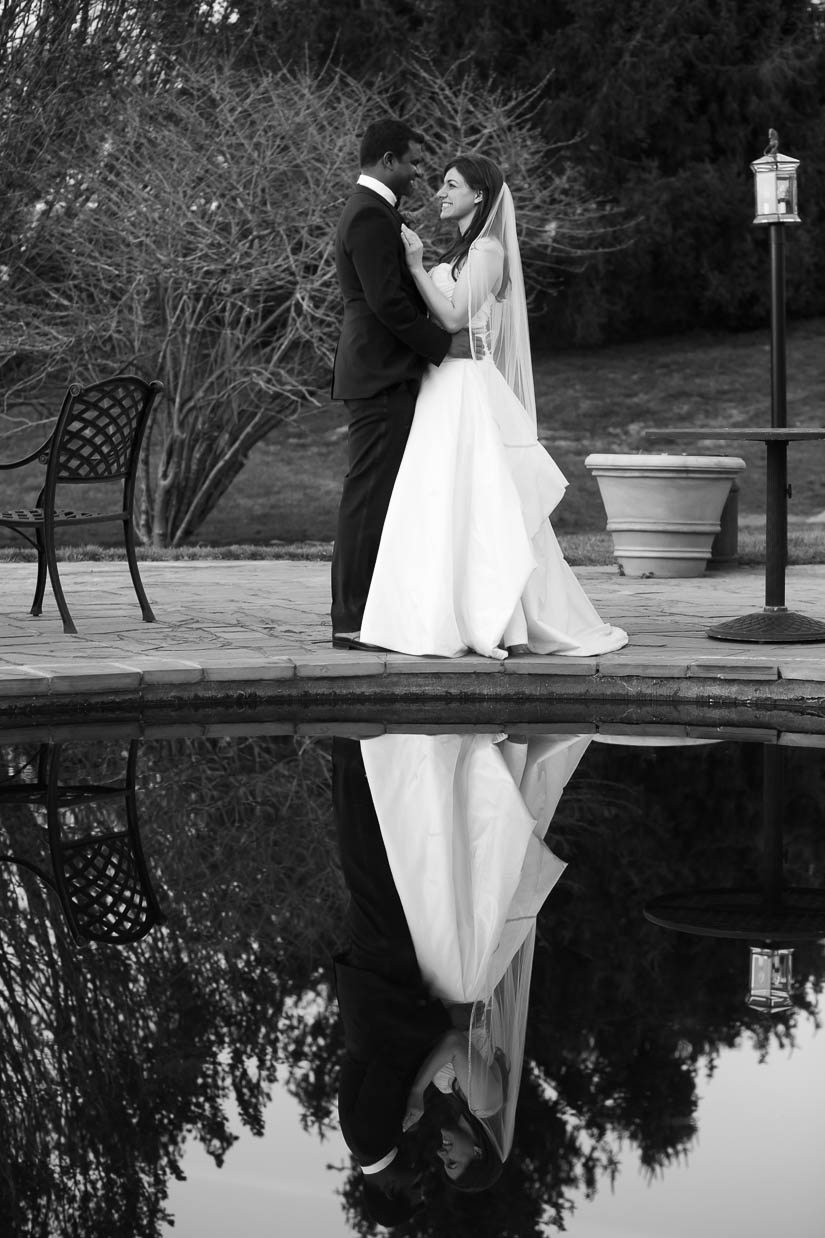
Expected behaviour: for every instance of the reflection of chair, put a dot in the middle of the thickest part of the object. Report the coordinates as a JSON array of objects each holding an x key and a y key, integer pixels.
[
  {"x": 97, "y": 438},
  {"x": 101, "y": 878}
]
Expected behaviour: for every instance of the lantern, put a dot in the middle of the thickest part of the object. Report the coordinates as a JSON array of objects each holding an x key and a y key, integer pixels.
[
  {"x": 770, "y": 980},
  {"x": 775, "y": 186}
]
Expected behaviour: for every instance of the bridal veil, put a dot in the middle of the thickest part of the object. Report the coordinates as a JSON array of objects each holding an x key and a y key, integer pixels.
[{"x": 498, "y": 303}]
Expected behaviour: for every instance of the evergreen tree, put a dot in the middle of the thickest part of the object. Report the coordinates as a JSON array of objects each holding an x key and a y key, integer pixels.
[{"x": 676, "y": 100}]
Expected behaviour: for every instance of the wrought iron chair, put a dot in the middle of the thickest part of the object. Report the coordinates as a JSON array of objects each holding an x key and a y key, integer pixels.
[
  {"x": 97, "y": 438},
  {"x": 100, "y": 878}
]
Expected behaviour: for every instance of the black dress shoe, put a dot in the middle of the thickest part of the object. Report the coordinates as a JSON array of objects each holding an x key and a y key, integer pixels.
[
  {"x": 519, "y": 651},
  {"x": 351, "y": 640},
  {"x": 344, "y": 640}
]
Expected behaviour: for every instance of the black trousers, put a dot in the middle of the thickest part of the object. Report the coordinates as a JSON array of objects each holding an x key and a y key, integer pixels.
[
  {"x": 378, "y": 431},
  {"x": 379, "y": 938}
]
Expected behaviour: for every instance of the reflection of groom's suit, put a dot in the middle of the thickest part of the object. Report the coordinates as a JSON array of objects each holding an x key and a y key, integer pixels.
[
  {"x": 390, "y": 1021},
  {"x": 386, "y": 340}
]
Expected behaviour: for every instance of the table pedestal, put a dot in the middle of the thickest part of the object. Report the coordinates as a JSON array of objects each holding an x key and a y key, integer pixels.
[{"x": 774, "y": 624}]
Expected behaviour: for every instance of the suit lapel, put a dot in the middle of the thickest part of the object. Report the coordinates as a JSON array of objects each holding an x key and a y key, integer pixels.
[{"x": 364, "y": 191}]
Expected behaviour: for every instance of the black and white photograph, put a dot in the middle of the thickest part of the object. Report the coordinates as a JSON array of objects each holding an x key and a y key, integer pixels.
[{"x": 412, "y": 622}]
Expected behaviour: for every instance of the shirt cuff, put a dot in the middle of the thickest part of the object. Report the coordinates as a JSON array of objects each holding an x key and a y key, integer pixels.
[{"x": 382, "y": 1164}]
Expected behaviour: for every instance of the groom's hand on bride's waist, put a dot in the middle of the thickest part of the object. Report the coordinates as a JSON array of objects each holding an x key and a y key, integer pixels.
[{"x": 460, "y": 344}]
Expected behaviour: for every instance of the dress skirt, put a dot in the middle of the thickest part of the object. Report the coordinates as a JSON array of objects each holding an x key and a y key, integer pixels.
[{"x": 467, "y": 536}]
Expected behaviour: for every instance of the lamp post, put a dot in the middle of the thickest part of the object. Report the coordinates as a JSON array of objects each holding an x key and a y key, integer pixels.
[
  {"x": 774, "y": 184},
  {"x": 776, "y": 206}
]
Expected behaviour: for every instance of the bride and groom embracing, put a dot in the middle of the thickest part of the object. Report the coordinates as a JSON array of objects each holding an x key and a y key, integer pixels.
[{"x": 444, "y": 543}]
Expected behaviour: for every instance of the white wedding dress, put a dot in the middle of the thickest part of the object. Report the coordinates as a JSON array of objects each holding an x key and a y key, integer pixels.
[
  {"x": 463, "y": 819},
  {"x": 467, "y": 536}
]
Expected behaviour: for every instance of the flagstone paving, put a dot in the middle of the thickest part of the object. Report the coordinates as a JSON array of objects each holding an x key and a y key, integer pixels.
[{"x": 261, "y": 627}]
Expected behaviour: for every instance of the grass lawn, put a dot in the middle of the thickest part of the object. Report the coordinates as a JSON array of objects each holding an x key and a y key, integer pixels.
[{"x": 588, "y": 400}]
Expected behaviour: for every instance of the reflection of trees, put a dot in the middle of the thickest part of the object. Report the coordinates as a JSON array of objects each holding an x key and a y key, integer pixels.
[
  {"x": 109, "y": 1058},
  {"x": 249, "y": 856},
  {"x": 624, "y": 1016}
]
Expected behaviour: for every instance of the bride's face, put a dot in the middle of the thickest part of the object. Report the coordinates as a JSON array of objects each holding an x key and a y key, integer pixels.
[
  {"x": 458, "y": 1148},
  {"x": 457, "y": 200}
]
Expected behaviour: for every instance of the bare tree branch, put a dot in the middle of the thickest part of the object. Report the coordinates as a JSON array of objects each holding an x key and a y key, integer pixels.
[{"x": 191, "y": 234}]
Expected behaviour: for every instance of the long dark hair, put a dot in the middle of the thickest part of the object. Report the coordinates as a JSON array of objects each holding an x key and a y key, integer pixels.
[
  {"x": 445, "y": 1110},
  {"x": 485, "y": 177}
]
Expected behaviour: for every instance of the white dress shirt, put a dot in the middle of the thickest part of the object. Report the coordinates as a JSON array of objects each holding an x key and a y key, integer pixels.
[
  {"x": 379, "y": 187},
  {"x": 382, "y": 1164}
]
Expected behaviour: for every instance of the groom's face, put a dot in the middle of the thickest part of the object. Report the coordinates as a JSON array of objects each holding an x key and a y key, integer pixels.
[{"x": 404, "y": 169}]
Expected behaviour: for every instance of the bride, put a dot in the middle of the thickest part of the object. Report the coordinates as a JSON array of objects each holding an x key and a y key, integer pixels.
[
  {"x": 468, "y": 558},
  {"x": 471, "y": 885}
]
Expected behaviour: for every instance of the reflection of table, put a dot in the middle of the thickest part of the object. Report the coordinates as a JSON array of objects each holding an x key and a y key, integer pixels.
[
  {"x": 775, "y": 622},
  {"x": 768, "y": 912},
  {"x": 745, "y": 914}
]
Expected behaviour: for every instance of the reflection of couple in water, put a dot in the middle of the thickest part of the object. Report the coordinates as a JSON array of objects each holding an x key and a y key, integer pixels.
[
  {"x": 442, "y": 848},
  {"x": 438, "y": 1108}
]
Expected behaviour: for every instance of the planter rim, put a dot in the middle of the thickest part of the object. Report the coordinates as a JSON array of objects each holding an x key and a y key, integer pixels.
[{"x": 664, "y": 460}]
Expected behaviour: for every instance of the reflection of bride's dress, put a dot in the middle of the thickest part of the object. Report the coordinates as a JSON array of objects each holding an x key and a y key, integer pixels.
[
  {"x": 463, "y": 827},
  {"x": 467, "y": 533},
  {"x": 463, "y": 819}
]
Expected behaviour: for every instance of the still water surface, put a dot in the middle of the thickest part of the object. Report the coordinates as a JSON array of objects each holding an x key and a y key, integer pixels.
[{"x": 496, "y": 882}]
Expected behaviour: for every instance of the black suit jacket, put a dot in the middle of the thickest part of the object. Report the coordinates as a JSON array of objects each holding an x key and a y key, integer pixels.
[
  {"x": 386, "y": 336},
  {"x": 388, "y": 1031},
  {"x": 390, "y": 1020}
]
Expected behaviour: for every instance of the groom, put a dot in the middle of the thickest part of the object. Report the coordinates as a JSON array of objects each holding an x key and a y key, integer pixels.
[
  {"x": 390, "y": 1021},
  {"x": 386, "y": 341}
]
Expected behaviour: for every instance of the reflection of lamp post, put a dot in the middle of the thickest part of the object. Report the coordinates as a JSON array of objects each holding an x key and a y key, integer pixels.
[{"x": 770, "y": 913}]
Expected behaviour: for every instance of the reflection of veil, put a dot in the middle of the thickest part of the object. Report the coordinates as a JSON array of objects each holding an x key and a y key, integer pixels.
[
  {"x": 498, "y": 304},
  {"x": 472, "y": 872},
  {"x": 498, "y": 1026}
]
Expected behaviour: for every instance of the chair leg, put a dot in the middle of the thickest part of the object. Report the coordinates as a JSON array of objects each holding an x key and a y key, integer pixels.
[
  {"x": 40, "y": 586},
  {"x": 51, "y": 559},
  {"x": 129, "y": 538}
]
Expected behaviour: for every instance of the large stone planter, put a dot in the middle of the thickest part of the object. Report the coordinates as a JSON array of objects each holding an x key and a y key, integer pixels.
[{"x": 663, "y": 511}]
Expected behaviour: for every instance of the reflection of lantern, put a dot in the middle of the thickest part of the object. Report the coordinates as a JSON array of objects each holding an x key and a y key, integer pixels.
[
  {"x": 768, "y": 913},
  {"x": 770, "y": 980},
  {"x": 775, "y": 188}
]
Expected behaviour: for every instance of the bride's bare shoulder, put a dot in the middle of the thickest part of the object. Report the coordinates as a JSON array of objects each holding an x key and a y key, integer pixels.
[{"x": 488, "y": 244}]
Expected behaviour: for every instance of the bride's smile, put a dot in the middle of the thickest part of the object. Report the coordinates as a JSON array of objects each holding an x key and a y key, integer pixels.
[
  {"x": 458, "y": 1148},
  {"x": 457, "y": 200}
]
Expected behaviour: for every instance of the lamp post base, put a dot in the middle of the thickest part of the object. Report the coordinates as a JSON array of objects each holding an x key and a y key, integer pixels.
[{"x": 773, "y": 625}]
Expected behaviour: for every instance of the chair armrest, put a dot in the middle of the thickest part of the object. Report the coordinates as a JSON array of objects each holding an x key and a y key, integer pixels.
[
  {"x": 40, "y": 453},
  {"x": 33, "y": 868}
]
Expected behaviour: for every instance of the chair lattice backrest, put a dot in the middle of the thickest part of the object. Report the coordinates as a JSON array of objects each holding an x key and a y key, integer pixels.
[
  {"x": 99, "y": 428},
  {"x": 106, "y": 889},
  {"x": 100, "y": 876},
  {"x": 97, "y": 439}
]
